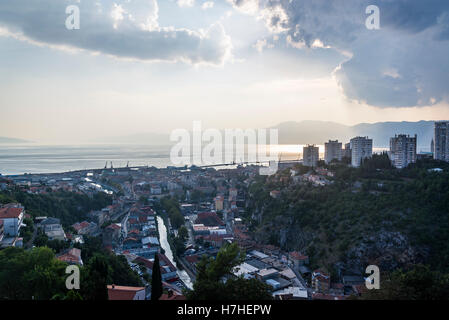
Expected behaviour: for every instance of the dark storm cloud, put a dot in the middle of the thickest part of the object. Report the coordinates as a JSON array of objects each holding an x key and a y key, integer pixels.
[{"x": 405, "y": 63}]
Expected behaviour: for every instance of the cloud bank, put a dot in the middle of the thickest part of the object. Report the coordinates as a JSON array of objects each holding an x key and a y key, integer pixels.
[
  {"x": 403, "y": 64},
  {"x": 126, "y": 29}
]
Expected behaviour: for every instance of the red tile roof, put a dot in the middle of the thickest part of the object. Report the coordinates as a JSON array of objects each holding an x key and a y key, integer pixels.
[
  {"x": 7, "y": 213},
  {"x": 172, "y": 296},
  {"x": 71, "y": 256},
  {"x": 123, "y": 292},
  {"x": 113, "y": 226},
  {"x": 147, "y": 263},
  {"x": 298, "y": 256},
  {"x": 193, "y": 259}
]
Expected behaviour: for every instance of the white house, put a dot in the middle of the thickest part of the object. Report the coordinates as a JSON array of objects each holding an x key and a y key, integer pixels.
[{"x": 12, "y": 219}]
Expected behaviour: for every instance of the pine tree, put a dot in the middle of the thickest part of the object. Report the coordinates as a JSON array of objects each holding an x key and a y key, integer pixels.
[{"x": 156, "y": 280}]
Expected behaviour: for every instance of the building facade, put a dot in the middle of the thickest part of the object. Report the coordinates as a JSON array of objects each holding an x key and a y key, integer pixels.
[
  {"x": 402, "y": 150},
  {"x": 332, "y": 151},
  {"x": 320, "y": 281},
  {"x": 310, "y": 155},
  {"x": 12, "y": 216},
  {"x": 441, "y": 141},
  {"x": 347, "y": 153},
  {"x": 361, "y": 148}
]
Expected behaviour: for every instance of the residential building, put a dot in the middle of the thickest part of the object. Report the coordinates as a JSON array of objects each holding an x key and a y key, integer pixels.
[
  {"x": 209, "y": 219},
  {"x": 298, "y": 259},
  {"x": 266, "y": 274},
  {"x": 12, "y": 216},
  {"x": 275, "y": 194},
  {"x": 332, "y": 151},
  {"x": 320, "y": 281},
  {"x": 111, "y": 234},
  {"x": 310, "y": 155},
  {"x": 85, "y": 228},
  {"x": 441, "y": 141},
  {"x": 219, "y": 200},
  {"x": 125, "y": 293},
  {"x": 402, "y": 150},
  {"x": 347, "y": 153},
  {"x": 53, "y": 229},
  {"x": 233, "y": 192},
  {"x": 71, "y": 256},
  {"x": 361, "y": 148}
]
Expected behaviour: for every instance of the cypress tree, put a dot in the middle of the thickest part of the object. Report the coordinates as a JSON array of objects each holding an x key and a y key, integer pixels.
[{"x": 156, "y": 280}]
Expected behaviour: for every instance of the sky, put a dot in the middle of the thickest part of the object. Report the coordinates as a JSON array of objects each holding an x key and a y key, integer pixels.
[{"x": 137, "y": 66}]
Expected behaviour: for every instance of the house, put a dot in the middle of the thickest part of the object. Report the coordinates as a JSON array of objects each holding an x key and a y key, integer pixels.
[
  {"x": 217, "y": 240},
  {"x": 111, "y": 234},
  {"x": 155, "y": 189},
  {"x": 291, "y": 293},
  {"x": 209, "y": 219},
  {"x": 125, "y": 293},
  {"x": 298, "y": 259},
  {"x": 168, "y": 270},
  {"x": 53, "y": 229},
  {"x": 275, "y": 194},
  {"x": 85, "y": 227},
  {"x": 12, "y": 216},
  {"x": 233, "y": 192},
  {"x": 131, "y": 243},
  {"x": 320, "y": 281},
  {"x": 219, "y": 200},
  {"x": 266, "y": 274},
  {"x": 288, "y": 274},
  {"x": 150, "y": 241},
  {"x": 72, "y": 256}
]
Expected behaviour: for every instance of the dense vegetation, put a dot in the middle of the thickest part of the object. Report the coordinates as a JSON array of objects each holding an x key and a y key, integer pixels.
[
  {"x": 69, "y": 207},
  {"x": 369, "y": 207},
  {"x": 171, "y": 207},
  {"x": 209, "y": 284},
  {"x": 33, "y": 274},
  {"x": 418, "y": 283},
  {"x": 37, "y": 274}
]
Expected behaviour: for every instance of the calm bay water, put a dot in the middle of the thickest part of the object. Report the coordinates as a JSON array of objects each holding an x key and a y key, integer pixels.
[{"x": 19, "y": 159}]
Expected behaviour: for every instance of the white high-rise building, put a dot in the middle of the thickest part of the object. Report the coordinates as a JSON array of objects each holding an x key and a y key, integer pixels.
[
  {"x": 361, "y": 148},
  {"x": 441, "y": 141},
  {"x": 311, "y": 155},
  {"x": 332, "y": 150},
  {"x": 402, "y": 150}
]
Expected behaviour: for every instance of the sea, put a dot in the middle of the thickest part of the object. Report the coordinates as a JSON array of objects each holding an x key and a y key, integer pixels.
[{"x": 31, "y": 158}]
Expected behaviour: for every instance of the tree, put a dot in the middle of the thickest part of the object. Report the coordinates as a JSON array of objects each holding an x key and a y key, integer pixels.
[
  {"x": 96, "y": 282},
  {"x": 419, "y": 283},
  {"x": 215, "y": 280},
  {"x": 183, "y": 233},
  {"x": 156, "y": 280},
  {"x": 41, "y": 239},
  {"x": 30, "y": 274}
]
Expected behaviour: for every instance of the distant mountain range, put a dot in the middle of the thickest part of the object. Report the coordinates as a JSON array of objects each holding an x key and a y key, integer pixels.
[
  {"x": 318, "y": 132},
  {"x": 12, "y": 140}
]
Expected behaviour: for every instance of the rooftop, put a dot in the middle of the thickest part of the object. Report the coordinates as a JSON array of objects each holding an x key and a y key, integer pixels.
[
  {"x": 122, "y": 292},
  {"x": 8, "y": 213}
]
